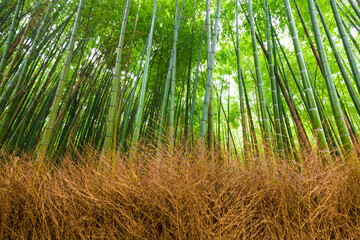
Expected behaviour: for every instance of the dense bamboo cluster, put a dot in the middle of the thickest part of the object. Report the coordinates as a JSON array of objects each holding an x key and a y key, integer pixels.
[{"x": 111, "y": 75}]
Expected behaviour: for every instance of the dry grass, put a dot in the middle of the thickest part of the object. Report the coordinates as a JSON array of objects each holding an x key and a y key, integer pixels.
[{"x": 177, "y": 196}]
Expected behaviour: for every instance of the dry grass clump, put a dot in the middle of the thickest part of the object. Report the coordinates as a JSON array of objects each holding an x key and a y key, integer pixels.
[{"x": 177, "y": 195}]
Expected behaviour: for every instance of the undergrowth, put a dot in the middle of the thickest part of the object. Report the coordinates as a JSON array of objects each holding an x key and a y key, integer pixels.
[{"x": 178, "y": 195}]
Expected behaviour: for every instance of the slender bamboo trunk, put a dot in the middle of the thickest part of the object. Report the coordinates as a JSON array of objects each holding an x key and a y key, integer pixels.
[
  {"x": 280, "y": 147},
  {"x": 349, "y": 52},
  {"x": 356, "y": 9},
  {"x": 340, "y": 64},
  {"x": 261, "y": 91},
  {"x": 49, "y": 129},
  {"x": 309, "y": 38},
  {"x": 286, "y": 93},
  {"x": 139, "y": 114},
  {"x": 9, "y": 38},
  {"x": 6, "y": 80},
  {"x": 241, "y": 83},
  {"x": 353, "y": 40},
  {"x": 188, "y": 85},
  {"x": 132, "y": 99},
  {"x": 111, "y": 130},
  {"x": 211, "y": 60},
  {"x": 314, "y": 112},
  {"x": 173, "y": 73},
  {"x": 191, "y": 127},
  {"x": 335, "y": 105},
  {"x": 21, "y": 74}
]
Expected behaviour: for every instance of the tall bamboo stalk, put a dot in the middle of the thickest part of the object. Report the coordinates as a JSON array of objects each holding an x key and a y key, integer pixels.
[
  {"x": 9, "y": 39},
  {"x": 261, "y": 91},
  {"x": 193, "y": 102},
  {"x": 274, "y": 88},
  {"x": 340, "y": 64},
  {"x": 349, "y": 52},
  {"x": 21, "y": 73},
  {"x": 173, "y": 72},
  {"x": 49, "y": 129},
  {"x": 313, "y": 109},
  {"x": 111, "y": 130},
  {"x": 335, "y": 105},
  {"x": 211, "y": 60},
  {"x": 240, "y": 82},
  {"x": 139, "y": 114}
]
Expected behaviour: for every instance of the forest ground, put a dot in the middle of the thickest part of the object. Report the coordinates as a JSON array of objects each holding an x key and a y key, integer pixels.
[{"x": 178, "y": 194}]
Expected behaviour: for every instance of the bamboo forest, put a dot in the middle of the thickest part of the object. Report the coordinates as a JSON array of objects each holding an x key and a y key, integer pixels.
[{"x": 179, "y": 119}]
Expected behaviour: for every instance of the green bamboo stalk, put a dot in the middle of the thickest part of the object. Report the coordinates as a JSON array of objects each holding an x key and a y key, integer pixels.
[
  {"x": 173, "y": 72},
  {"x": 340, "y": 64},
  {"x": 304, "y": 141},
  {"x": 211, "y": 60},
  {"x": 188, "y": 85},
  {"x": 6, "y": 80},
  {"x": 257, "y": 110},
  {"x": 191, "y": 127},
  {"x": 211, "y": 132},
  {"x": 139, "y": 114},
  {"x": 132, "y": 98},
  {"x": 356, "y": 9},
  {"x": 240, "y": 81},
  {"x": 35, "y": 97},
  {"x": 49, "y": 129},
  {"x": 314, "y": 112},
  {"x": 250, "y": 120},
  {"x": 327, "y": 130},
  {"x": 111, "y": 131},
  {"x": 211, "y": 99},
  {"x": 126, "y": 75},
  {"x": 165, "y": 100},
  {"x": 310, "y": 41},
  {"x": 20, "y": 75},
  {"x": 277, "y": 123},
  {"x": 349, "y": 52},
  {"x": 335, "y": 105},
  {"x": 171, "y": 75},
  {"x": 4, "y": 56},
  {"x": 353, "y": 40},
  {"x": 19, "y": 42},
  {"x": 261, "y": 91},
  {"x": 227, "y": 121},
  {"x": 295, "y": 115},
  {"x": 38, "y": 108},
  {"x": 207, "y": 88},
  {"x": 5, "y": 15}
]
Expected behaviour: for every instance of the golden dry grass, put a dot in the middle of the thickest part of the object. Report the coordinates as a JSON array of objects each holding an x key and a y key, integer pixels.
[{"x": 177, "y": 196}]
